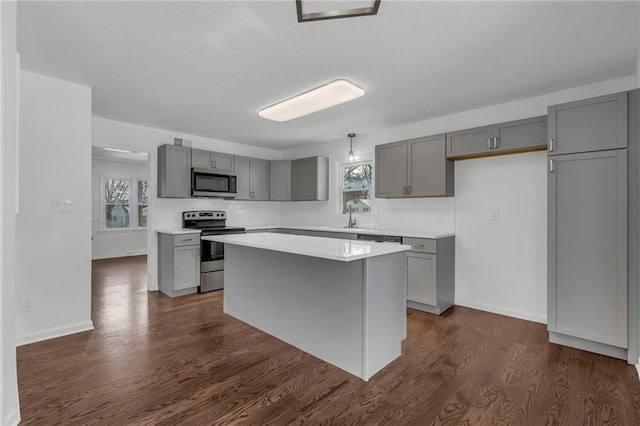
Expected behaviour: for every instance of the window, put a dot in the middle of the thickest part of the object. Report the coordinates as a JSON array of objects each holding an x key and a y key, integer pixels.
[
  {"x": 122, "y": 208},
  {"x": 357, "y": 187}
]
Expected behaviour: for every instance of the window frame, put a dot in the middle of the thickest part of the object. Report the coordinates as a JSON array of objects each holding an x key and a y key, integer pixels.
[
  {"x": 133, "y": 204},
  {"x": 339, "y": 188}
]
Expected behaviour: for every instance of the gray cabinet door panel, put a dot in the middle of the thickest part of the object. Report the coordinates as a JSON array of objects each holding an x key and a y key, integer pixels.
[
  {"x": 243, "y": 176},
  {"x": 588, "y": 246},
  {"x": 280, "y": 180},
  {"x": 469, "y": 142},
  {"x": 422, "y": 278},
  {"x": 590, "y": 125},
  {"x": 174, "y": 171},
  {"x": 521, "y": 134},
  {"x": 304, "y": 179},
  {"x": 427, "y": 167},
  {"x": 222, "y": 161},
  {"x": 201, "y": 159},
  {"x": 391, "y": 170},
  {"x": 259, "y": 179}
]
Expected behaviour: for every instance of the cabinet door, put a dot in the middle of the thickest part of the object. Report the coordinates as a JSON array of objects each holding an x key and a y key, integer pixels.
[
  {"x": 174, "y": 171},
  {"x": 201, "y": 159},
  {"x": 259, "y": 179},
  {"x": 186, "y": 267},
  {"x": 422, "y": 278},
  {"x": 222, "y": 161},
  {"x": 391, "y": 170},
  {"x": 243, "y": 173},
  {"x": 304, "y": 179},
  {"x": 594, "y": 124},
  {"x": 521, "y": 134},
  {"x": 469, "y": 142},
  {"x": 428, "y": 166},
  {"x": 280, "y": 180},
  {"x": 587, "y": 265}
]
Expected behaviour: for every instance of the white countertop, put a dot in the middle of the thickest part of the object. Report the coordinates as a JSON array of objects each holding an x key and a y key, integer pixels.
[
  {"x": 326, "y": 248},
  {"x": 372, "y": 231},
  {"x": 178, "y": 231}
]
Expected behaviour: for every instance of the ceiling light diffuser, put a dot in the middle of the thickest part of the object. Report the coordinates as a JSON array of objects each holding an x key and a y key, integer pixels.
[
  {"x": 331, "y": 94},
  {"x": 315, "y": 10},
  {"x": 117, "y": 150}
]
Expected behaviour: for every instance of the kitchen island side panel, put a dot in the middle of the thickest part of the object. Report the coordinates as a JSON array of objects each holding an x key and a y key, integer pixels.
[{"x": 311, "y": 303}]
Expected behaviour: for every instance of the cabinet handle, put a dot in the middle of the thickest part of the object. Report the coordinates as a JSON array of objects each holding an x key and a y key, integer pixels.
[
  {"x": 550, "y": 166},
  {"x": 550, "y": 144},
  {"x": 187, "y": 239},
  {"x": 489, "y": 144},
  {"x": 495, "y": 143},
  {"x": 404, "y": 190},
  {"x": 418, "y": 246},
  {"x": 408, "y": 189}
]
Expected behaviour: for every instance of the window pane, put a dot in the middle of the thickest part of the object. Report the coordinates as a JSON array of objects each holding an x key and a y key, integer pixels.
[
  {"x": 358, "y": 201},
  {"x": 116, "y": 191},
  {"x": 143, "y": 192},
  {"x": 117, "y": 215},
  {"x": 142, "y": 215},
  {"x": 357, "y": 176}
]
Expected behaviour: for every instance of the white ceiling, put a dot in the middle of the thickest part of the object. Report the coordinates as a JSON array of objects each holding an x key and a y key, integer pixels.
[{"x": 206, "y": 68}]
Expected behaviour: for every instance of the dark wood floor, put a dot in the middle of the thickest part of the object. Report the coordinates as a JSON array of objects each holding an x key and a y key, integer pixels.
[{"x": 156, "y": 360}]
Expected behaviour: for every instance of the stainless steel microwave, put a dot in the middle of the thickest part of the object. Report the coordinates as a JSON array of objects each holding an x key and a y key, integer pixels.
[{"x": 213, "y": 183}]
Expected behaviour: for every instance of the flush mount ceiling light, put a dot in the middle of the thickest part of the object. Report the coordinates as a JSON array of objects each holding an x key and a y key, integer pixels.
[
  {"x": 319, "y": 10},
  {"x": 331, "y": 94}
]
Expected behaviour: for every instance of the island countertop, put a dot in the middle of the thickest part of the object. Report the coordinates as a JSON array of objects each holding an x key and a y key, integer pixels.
[
  {"x": 414, "y": 233},
  {"x": 325, "y": 248}
]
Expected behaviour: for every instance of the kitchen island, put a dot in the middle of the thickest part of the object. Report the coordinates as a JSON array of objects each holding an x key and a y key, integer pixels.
[{"x": 342, "y": 301}]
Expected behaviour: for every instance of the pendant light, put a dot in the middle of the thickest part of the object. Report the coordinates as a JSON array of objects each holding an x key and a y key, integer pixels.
[{"x": 351, "y": 136}]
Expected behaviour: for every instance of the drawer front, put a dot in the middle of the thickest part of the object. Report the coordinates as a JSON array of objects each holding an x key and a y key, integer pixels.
[
  {"x": 420, "y": 244},
  {"x": 186, "y": 239}
]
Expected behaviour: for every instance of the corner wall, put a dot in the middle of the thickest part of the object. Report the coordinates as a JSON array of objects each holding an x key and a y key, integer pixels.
[{"x": 53, "y": 247}]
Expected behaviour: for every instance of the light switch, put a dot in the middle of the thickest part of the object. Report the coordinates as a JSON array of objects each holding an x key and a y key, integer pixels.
[
  {"x": 63, "y": 204},
  {"x": 494, "y": 215}
]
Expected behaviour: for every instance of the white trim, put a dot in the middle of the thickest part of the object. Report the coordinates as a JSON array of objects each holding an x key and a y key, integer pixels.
[
  {"x": 638, "y": 368},
  {"x": 52, "y": 333},
  {"x": 340, "y": 163},
  {"x": 12, "y": 418},
  {"x": 503, "y": 311}
]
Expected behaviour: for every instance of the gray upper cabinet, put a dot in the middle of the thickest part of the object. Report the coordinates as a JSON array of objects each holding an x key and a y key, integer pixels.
[
  {"x": 414, "y": 168},
  {"x": 310, "y": 179},
  {"x": 587, "y": 266},
  {"x": 174, "y": 171},
  {"x": 211, "y": 160},
  {"x": 505, "y": 138},
  {"x": 253, "y": 178},
  {"x": 280, "y": 180},
  {"x": 589, "y": 125}
]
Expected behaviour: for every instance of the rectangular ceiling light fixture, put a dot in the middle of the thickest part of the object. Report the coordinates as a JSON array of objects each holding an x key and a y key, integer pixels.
[
  {"x": 331, "y": 94},
  {"x": 311, "y": 10}
]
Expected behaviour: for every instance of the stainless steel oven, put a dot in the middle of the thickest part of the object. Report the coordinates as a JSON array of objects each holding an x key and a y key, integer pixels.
[{"x": 210, "y": 222}]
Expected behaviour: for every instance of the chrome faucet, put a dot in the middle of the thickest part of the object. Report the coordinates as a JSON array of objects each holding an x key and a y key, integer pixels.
[{"x": 352, "y": 221}]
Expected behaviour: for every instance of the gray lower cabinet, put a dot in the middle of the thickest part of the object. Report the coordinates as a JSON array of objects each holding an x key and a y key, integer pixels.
[
  {"x": 504, "y": 138},
  {"x": 280, "y": 180},
  {"x": 430, "y": 274},
  {"x": 174, "y": 171},
  {"x": 588, "y": 125},
  {"x": 414, "y": 168},
  {"x": 211, "y": 160},
  {"x": 253, "y": 179},
  {"x": 310, "y": 179},
  {"x": 178, "y": 263}
]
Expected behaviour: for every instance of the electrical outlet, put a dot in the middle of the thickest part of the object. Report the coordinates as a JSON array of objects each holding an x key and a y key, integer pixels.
[
  {"x": 494, "y": 215},
  {"x": 27, "y": 304}
]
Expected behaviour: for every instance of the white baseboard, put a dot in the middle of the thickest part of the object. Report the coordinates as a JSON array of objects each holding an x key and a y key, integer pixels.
[
  {"x": 503, "y": 311},
  {"x": 52, "y": 333},
  {"x": 638, "y": 368}
]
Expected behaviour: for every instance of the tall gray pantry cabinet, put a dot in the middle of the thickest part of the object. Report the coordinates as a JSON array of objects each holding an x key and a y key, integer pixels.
[{"x": 588, "y": 225}]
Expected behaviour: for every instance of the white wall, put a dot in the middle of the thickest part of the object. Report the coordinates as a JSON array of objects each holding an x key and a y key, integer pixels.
[
  {"x": 166, "y": 212},
  {"x": 53, "y": 248},
  {"x": 120, "y": 242},
  {"x": 9, "y": 403},
  {"x": 515, "y": 185}
]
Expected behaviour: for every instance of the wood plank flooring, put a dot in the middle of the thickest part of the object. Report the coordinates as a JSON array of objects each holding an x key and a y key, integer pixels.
[{"x": 156, "y": 360}]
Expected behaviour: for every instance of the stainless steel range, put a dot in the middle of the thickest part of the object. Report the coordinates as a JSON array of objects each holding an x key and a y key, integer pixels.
[{"x": 210, "y": 222}]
